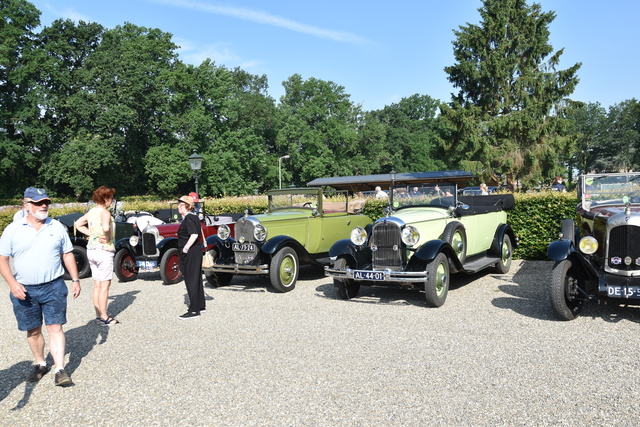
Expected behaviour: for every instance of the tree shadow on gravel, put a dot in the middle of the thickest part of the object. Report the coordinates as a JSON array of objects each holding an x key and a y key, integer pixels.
[{"x": 528, "y": 290}]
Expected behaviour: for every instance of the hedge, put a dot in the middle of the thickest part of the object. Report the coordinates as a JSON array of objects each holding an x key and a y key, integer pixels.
[{"x": 535, "y": 219}]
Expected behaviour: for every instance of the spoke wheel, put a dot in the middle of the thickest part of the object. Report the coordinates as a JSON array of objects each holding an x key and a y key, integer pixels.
[
  {"x": 283, "y": 271},
  {"x": 125, "y": 266},
  {"x": 345, "y": 288},
  {"x": 170, "y": 267},
  {"x": 436, "y": 285},
  {"x": 566, "y": 294}
]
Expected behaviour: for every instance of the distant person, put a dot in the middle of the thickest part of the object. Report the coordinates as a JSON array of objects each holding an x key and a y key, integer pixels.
[
  {"x": 38, "y": 245},
  {"x": 99, "y": 226},
  {"x": 189, "y": 245},
  {"x": 415, "y": 192},
  {"x": 484, "y": 190},
  {"x": 558, "y": 185},
  {"x": 381, "y": 194}
]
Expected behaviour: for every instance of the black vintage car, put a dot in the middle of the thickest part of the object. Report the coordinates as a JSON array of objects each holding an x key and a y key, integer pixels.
[
  {"x": 79, "y": 240},
  {"x": 598, "y": 257}
]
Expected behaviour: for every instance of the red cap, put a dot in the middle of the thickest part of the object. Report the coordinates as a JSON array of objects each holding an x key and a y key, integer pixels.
[{"x": 194, "y": 196}]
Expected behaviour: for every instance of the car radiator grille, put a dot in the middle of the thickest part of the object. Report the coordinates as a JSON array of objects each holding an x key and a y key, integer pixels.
[
  {"x": 148, "y": 244},
  {"x": 624, "y": 242},
  {"x": 386, "y": 246},
  {"x": 244, "y": 233}
]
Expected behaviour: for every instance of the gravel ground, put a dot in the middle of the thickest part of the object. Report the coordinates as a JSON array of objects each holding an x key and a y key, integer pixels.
[{"x": 492, "y": 355}]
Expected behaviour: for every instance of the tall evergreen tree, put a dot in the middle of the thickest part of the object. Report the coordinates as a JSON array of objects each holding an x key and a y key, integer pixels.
[{"x": 506, "y": 121}]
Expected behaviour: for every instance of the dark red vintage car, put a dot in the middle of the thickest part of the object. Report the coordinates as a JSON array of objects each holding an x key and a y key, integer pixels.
[
  {"x": 154, "y": 246},
  {"x": 599, "y": 256}
]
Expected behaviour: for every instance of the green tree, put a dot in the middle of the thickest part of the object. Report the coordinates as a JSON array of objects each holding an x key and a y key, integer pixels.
[
  {"x": 412, "y": 135},
  {"x": 618, "y": 147},
  {"x": 589, "y": 124},
  {"x": 18, "y": 105},
  {"x": 507, "y": 119},
  {"x": 319, "y": 130}
]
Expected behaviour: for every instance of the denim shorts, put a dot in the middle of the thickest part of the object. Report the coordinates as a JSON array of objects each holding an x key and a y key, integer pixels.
[{"x": 48, "y": 300}]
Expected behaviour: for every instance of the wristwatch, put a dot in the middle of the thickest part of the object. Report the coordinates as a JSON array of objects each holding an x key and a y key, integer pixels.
[{"x": 75, "y": 280}]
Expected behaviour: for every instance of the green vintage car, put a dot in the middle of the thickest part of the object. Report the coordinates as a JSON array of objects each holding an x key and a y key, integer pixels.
[
  {"x": 428, "y": 233},
  {"x": 299, "y": 226}
]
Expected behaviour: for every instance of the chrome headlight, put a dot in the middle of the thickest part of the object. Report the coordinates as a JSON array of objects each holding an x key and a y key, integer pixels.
[
  {"x": 410, "y": 235},
  {"x": 588, "y": 245},
  {"x": 133, "y": 240},
  {"x": 358, "y": 236},
  {"x": 260, "y": 232},
  {"x": 224, "y": 231}
]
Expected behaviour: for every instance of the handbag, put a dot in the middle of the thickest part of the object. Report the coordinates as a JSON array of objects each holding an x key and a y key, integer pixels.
[{"x": 207, "y": 258}]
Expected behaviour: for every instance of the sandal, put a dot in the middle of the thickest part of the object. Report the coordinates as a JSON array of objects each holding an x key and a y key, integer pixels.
[{"x": 109, "y": 320}]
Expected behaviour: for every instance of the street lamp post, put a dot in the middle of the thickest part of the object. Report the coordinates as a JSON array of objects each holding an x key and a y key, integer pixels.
[
  {"x": 280, "y": 169},
  {"x": 195, "y": 161}
]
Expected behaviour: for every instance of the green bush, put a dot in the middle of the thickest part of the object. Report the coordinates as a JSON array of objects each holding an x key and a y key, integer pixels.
[{"x": 535, "y": 220}]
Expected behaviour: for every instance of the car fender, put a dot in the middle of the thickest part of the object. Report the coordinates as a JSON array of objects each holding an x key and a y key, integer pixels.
[
  {"x": 496, "y": 245},
  {"x": 78, "y": 241},
  {"x": 224, "y": 247},
  {"x": 361, "y": 255},
  {"x": 560, "y": 249},
  {"x": 274, "y": 244},
  {"x": 429, "y": 251}
]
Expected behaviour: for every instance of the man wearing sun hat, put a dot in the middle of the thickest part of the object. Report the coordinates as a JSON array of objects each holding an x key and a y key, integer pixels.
[{"x": 37, "y": 245}]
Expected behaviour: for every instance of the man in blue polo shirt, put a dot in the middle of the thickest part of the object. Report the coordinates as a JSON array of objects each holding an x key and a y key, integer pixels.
[{"x": 37, "y": 244}]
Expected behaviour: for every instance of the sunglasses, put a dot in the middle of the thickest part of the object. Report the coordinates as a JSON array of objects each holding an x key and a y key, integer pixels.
[{"x": 41, "y": 202}]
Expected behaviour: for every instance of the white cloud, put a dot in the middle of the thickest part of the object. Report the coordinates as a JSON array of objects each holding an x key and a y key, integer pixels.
[
  {"x": 269, "y": 19},
  {"x": 67, "y": 13}
]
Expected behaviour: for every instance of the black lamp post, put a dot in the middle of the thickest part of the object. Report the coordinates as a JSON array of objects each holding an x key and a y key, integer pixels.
[{"x": 195, "y": 161}]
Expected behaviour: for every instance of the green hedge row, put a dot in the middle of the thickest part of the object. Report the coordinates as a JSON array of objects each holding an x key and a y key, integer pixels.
[{"x": 535, "y": 220}]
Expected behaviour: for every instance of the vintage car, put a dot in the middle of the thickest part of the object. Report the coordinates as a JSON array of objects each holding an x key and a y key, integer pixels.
[
  {"x": 427, "y": 233},
  {"x": 153, "y": 246},
  {"x": 598, "y": 257},
  {"x": 123, "y": 226},
  {"x": 299, "y": 226}
]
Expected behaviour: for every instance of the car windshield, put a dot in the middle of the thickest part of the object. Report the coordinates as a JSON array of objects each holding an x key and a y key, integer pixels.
[
  {"x": 292, "y": 199},
  {"x": 610, "y": 189},
  {"x": 424, "y": 194}
]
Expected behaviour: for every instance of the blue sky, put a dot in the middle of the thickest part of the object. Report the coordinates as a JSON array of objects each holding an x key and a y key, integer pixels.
[{"x": 380, "y": 51}]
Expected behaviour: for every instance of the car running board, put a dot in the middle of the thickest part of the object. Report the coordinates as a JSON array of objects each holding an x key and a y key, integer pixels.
[{"x": 479, "y": 264}]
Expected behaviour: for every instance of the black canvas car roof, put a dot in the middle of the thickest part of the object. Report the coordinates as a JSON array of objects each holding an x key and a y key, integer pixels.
[{"x": 369, "y": 182}]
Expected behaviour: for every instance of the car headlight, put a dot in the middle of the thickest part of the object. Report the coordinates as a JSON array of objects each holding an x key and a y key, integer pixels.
[
  {"x": 224, "y": 231},
  {"x": 410, "y": 235},
  {"x": 133, "y": 240},
  {"x": 358, "y": 236},
  {"x": 260, "y": 232},
  {"x": 588, "y": 245}
]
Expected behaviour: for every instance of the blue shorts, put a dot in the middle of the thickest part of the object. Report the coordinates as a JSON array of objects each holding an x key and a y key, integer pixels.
[{"x": 49, "y": 300}]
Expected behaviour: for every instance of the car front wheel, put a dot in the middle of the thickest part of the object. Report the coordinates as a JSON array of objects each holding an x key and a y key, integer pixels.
[
  {"x": 125, "y": 266},
  {"x": 345, "y": 288},
  {"x": 170, "y": 267},
  {"x": 216, "y": 280},
  {"x": 283, "y": 270},
  {"x": 436, "y": 285},
  {"x": 566, "y": 294}
]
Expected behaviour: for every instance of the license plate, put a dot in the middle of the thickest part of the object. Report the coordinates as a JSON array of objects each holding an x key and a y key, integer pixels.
[
  {"x": 368, "y": 275},
  {"x": 623, "y": 291},
  {"x": 146, "y": 265},
  {"x": 244, "y": 247}
]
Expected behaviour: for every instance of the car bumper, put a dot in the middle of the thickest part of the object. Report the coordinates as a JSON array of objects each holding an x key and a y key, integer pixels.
[
  {"x": 239, "y": 269},
  {"x": 384, "y": 275}
]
